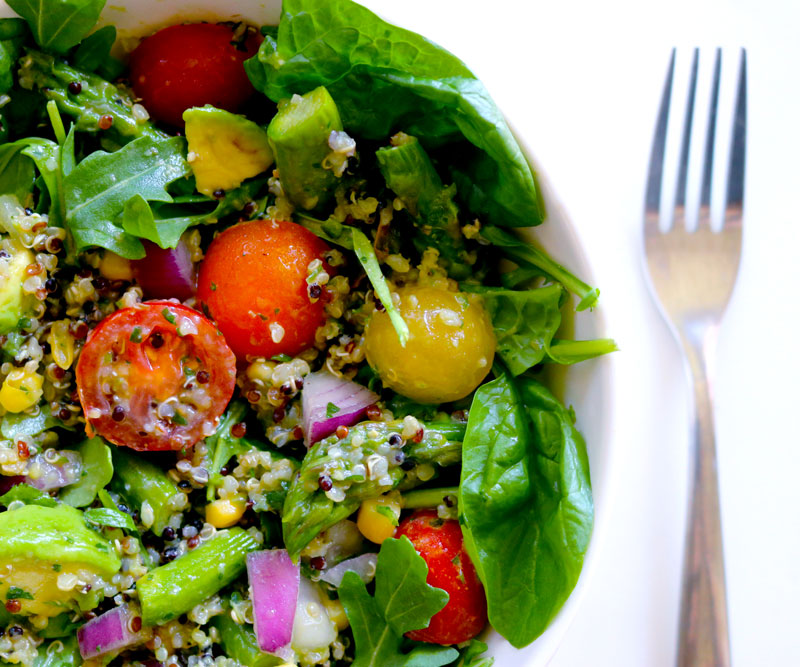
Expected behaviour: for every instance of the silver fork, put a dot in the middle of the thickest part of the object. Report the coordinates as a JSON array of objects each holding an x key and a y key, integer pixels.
[{"x": 691, "y": 278}]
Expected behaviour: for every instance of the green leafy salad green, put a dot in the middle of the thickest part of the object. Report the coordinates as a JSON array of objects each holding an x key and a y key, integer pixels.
[{"x": 276, "y": 366}]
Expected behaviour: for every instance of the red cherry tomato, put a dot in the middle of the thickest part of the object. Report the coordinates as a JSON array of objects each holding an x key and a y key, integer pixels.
[
  {"x": 155, "y": 376},
  {"x": 441, "y": 544},
  {"x": 191, "y": 65},
  {"x": 252, "y": 282}
]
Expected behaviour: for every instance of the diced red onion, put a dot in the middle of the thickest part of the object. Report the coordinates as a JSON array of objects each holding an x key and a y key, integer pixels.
[
  {"x": 62, "y": 470},
  {"x": 165, "y": 274},
  {"x": 110, "y": 631},
  {"x": 322, "y": 389},
  {"x": 363, "y": 565},
  {"x": 9, "y": 482},
  {"x": 274, "y": 584}
]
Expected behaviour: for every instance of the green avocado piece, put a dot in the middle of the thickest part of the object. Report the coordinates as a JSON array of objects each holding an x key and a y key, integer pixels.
[
  {"x": 299, "y": 135},
  {"x": 13, "y": 261},
  {"x": 224, "y": 148}
]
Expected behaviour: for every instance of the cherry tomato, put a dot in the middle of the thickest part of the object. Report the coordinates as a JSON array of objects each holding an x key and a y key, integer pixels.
[
  {"x": 191, "y": 65},
  {"x": 252, "y": 282},
  {"x": 155, "y": 376},
  {"x": 440, "y": 543}
]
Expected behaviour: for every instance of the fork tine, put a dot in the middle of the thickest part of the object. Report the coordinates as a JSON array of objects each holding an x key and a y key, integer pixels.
[
  {"x": 652, "y": 198},
  {"x": 735, "y": 191},
  {"x": 679, "y": 215},
  {"x": 704, "y": 217}
]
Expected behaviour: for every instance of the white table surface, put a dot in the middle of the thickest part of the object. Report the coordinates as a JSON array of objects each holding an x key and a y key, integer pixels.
[{"x": 581, "y": 81}]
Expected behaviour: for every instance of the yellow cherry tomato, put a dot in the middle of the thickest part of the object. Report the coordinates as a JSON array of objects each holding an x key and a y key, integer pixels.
[{"x": 450, "y": 347}]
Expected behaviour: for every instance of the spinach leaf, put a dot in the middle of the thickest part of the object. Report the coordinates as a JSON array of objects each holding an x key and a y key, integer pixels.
[
  {"x": 103, "y": 516},
  {"x": 12, "y": 34},
  {"x": 403, "y": 602},
  {"x": 60, "y": 653},
  {"x": 473, "y": 655},
  {"x": 14, "y": 426},
  {"x": 28, "y": 495},
  {"x": 138, "y": 220},
  {"x": 97, "y": 472},
  {"x": 100, "y": 185},
  {"x": 384, "y": 79},
  {"x": 17, "y": 171},
  {"x": 366, "y": 255},
  {"x": 525, "y": 254},
  {"x": 60, "y": 626},
  {"x": 94, "y": 51},
  {"x": 58, "y": 25},
  {"x": 223, "y": 445},
  {"x": 525, "y": 498}
]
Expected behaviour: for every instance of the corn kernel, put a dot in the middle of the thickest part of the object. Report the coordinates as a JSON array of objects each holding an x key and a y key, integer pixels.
[
  {"x": 21, "y": 390},
  {"x": 114, "y": 267},
  {"x": 336, "y": 613},
  {"x": 62, "y": 344},
  {"x": 377, "y": 517},
  {"x": 225, "y": 512}
]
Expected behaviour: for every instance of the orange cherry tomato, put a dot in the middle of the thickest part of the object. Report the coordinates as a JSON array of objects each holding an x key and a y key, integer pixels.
[
  {"x": 190, "y": 65},
  {"x": 252, "y": 282},
  {"x": 155, "y": 376},
  {"x": 441, "y": 544}
]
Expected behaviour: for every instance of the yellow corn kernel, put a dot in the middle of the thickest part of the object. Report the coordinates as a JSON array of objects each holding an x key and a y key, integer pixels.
[
  {"x": 336, "y": 613},
  {"x": 62, "y": 344},
  {"x": 377, "y": 517},
  {"x": 21, "y": 390},
  {"x": 114, "y": 267},
  {"x": 225, "y": 512}
]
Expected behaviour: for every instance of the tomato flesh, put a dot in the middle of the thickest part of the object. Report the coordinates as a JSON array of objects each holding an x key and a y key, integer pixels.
[
  {"x": 252, "y": 282},
  {"x": 190, "y": 65},
  {"x": 155, "y": 376},
  {"x": 441, "y": 544}
]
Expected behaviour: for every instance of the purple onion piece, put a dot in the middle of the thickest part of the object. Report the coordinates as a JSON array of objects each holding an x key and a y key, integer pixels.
[
  {"x": 110, "y": 631},
  {"x": 330, "y": 402},
  {"x": 363, "y": 565},
  {"x": 274, "y": 585},
  {"x": 59, "y": 472},
  {"x": 166, "y": 274}
]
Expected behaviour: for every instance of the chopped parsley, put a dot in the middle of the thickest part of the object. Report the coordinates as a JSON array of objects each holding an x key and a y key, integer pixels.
[
  {"x": 331, "y": 410},
  {"x": 179, "y": 419},
  {"x": 16, "y": 593},
  {"x": 169, "y": 316},
  {"x": 136, "y": 335}
]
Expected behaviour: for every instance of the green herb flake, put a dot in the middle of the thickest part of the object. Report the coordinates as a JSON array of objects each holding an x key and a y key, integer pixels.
[
  {"x": 136, "y": 335},
  {"x": 387, "y": 512},
  {"x": 331, "y": 410},
  {"x": 213, "y": 287},
  {"x": 56, "y": 567},
  {"x": 179, "y": 419},
  {"x": 16, "y": 593},
  {"x": 169, "y": 316},
  {"x": 281, "y": 358}
]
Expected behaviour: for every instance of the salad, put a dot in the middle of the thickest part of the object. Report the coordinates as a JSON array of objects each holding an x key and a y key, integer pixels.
[{"x": 266, "y": 395}]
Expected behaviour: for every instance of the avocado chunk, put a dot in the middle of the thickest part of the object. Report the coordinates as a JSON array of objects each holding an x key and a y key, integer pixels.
[
  {"x": 45, "y": 549},
  {"x": 299, "y": 135},
  {"x": 14, "y": 258},
  {"x": 224, "y": 148}
]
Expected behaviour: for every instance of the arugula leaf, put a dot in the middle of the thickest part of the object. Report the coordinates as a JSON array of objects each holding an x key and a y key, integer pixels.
[
  {"x": 98, "y": 471},
  {"x": 403, "y": 602},
  {"x": 525, "y": 498},
  {"x": 100, "y": 185},
  {"x": 94, "y": 51},
  {"x": 103, "y": 516},
  {"x": 384, "y": 79},
  {"x": 366, "y": 255},
  {"x": 58, "y": 25},
  {"x": 28, "y": 495},
  {"x": 525, "y": 254}
]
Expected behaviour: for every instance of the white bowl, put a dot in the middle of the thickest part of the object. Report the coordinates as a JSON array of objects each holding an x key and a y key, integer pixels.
[{"x": 590, "y": 386}]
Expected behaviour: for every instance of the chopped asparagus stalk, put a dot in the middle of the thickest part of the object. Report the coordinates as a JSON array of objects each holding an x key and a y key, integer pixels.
[
  {"x": 299, "y": 135},
  {"x": 338, "y": 474},
  {"x": 143, "y": 484},
  {"x": 409, "y": 172},
  {"x": 173, "y": 589},
  {"x": 95, "y": 104}
]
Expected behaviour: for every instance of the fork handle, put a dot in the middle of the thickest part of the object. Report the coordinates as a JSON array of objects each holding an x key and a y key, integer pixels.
[{"x": 703, "y": 640}]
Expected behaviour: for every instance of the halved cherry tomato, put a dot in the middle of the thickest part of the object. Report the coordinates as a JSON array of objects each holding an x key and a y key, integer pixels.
[
  {"x": 155, "y": 376},
  {"x": 441, "y": 544},
  {"x": 190, "y": 65},
  {"x": 253, "y": 284}
]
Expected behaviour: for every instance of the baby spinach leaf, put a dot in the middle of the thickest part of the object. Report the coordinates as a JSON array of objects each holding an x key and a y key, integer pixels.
[
  {"x": 28, "y": 495},
  {"x": 223, "y": 445},
  {"x": 94, "y": 51},
  {"x": 58, "y": 25},
  {"x": 525, "y": 498},
  {"x": 366, "y": 255},
  {"x": 104, "y": 516},
  {"x": 473, "y": 655},
  {"x": 138, "y": 220},
  {"x": 63, "y": 653},
  {"x": 11, "y": 38},
  {"x": 385, "y": 79},
  {"x": 17, "y": 171},
  {"x": 97, "y": 472},
  {"x": 403, "y": 602},
  {"x": 100, "y": 185},
  {"x": 15, "y": 426}
]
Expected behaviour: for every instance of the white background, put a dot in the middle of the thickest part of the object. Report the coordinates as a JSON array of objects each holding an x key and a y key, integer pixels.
[{"x": 581, "y": 82}]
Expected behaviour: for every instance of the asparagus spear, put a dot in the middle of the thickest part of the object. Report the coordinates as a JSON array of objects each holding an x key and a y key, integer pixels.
[
  {"x": 338, "y": 474},
  {"x": 299, "y": 135},
  {"x": 409, "y": 172},
  {"x": 173, "y": 589},
  {"x": 89, "y": 99},
  {"x": 139, "y": 481}
]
